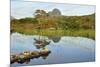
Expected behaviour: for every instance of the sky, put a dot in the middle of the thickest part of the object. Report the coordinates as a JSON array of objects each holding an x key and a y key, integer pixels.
[{"x": 22, "y": 9}]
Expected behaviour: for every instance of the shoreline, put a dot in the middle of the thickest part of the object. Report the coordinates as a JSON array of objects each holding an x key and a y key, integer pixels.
[{"x": 46, "y": 32}]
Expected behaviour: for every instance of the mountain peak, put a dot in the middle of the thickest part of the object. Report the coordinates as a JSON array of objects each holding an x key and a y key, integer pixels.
[{"x": 55, "y": 12}]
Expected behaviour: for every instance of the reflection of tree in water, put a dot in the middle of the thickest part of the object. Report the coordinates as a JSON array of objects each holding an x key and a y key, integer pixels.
[
  {"x": 41, "y": 43},
  {"x": 26, "y": 56},
  {"x": 55, "y": 39},
  {"x": 42, "y": 51}
]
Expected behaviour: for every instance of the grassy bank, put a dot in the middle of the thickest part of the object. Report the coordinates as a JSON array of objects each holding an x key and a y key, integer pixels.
[
  {"x": 89, "y": 33},
  {"x": 81, "y": 26}
]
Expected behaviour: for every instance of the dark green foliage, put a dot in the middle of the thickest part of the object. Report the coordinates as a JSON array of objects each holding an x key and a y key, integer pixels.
[{"x": 28, "y": 20}]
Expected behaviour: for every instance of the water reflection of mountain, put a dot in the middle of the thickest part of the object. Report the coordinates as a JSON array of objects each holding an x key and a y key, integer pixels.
[
  {"x": 66, "y": 49},
  {"x": 55, "y": 39}
]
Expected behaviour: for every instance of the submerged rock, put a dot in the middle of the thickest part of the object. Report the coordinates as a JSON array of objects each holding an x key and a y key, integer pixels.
[
  {"x": 26, "y": 56},
  {"x": 44, "y": 51},
  {"x": 13, "y": 58},
  {"x": 35, "y": 54}
]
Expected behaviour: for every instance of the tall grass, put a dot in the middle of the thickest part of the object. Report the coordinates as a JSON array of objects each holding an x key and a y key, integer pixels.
[{"x": 89, "y": 33}]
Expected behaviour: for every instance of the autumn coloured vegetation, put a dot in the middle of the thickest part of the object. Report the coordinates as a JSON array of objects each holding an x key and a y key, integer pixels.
[{"x": 55, "y": 24}]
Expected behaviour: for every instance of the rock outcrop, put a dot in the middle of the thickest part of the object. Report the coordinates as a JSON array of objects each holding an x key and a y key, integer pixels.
[{"x": 54, "y": 12}]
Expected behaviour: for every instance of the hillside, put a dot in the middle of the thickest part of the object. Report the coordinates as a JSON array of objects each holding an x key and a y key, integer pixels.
[{"x": 65, "y": 25}]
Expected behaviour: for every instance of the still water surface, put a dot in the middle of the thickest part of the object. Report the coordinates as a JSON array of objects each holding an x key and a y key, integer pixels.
[{"x": 63, "y": 49}]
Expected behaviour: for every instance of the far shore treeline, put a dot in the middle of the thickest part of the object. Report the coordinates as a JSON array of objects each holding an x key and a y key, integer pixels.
[{"x": 55, "y": 24}]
